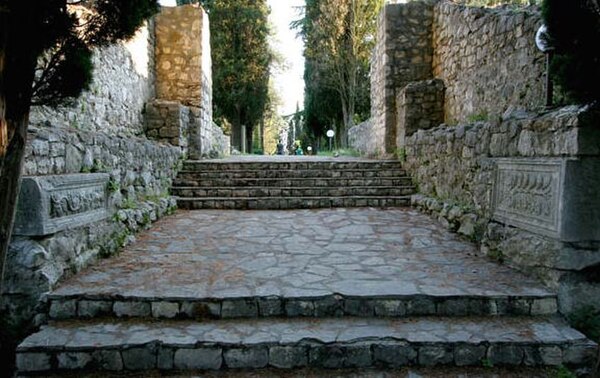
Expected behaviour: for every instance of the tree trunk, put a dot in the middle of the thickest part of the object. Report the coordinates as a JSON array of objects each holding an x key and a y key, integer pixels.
[{"x": 17, "y": 66}]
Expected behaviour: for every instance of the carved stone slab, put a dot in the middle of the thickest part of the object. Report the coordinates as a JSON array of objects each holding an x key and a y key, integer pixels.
[
  {"x": 554, "y": 197},
  {"x": 48, "y": 204}
]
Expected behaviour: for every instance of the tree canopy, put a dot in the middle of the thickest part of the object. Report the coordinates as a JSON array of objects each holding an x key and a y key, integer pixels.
[{"x": 339, "y": 36}]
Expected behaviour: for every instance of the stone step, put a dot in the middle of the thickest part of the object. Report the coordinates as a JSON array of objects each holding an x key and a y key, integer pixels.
[
  {"x": 378, "y": 191},
  {"x": 287, "y": 203},
  {"x": 183, "y": 180},
  {"x": 97, "y": 304},
  {"x": 297, "y": 343},
  {"x": 223, "y": 165},
  {"x": 298, "y": 173}
]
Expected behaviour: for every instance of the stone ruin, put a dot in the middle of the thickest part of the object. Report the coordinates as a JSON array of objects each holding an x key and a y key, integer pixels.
[
  {"x": 100, "y": 169},
  {"x": 458, "y": 95}
]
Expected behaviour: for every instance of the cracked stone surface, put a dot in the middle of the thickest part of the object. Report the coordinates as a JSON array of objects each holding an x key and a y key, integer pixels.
[{"x": 296, "y": 254}]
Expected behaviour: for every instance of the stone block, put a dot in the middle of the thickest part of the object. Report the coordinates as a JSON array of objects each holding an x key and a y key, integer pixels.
[
  {"x": 288, "y": 357},
  {"x": 132, "y": 309},
  {"x": 254, "y": 357},
  {"x": 505, "y": 354},
  {"x": 420, "y": 306},
  {"x": 554, "y": 197},
  {"x": 73, "y": 360},
  {"x": 167, "y": 310},
  {"x": 166, "y": 359},
  {"x": 92, "y": 309},
  {"x": 110, "y": 360},
  {"x": 199, "y": 358},
  {"x": 270, "y": 306},
  {"x": 239, "y": 308},
  {"x": 544, "y": 306},
  {"x": 469, "y": 355},
  {"x": 326, "y": 356},
  {"x": 201, "y": 310},
  {"x": 143, "y": 358},
  {"x": 394, "y": 355},
  {"x": 299, "y": 307},
  {"x": 63, "y": 309},
  {"x": 33, "y": 362},
  {"x": 390, "y": 307},
  {"x": 49, "y": 204},
  {"x": 358, "y": 356},
  {"x": 435, "y": 355}
]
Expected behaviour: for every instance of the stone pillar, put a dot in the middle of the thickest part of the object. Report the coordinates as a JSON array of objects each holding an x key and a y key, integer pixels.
[
  {"x": 243, "y": 142},
  {"x": 403, "y": 54}
]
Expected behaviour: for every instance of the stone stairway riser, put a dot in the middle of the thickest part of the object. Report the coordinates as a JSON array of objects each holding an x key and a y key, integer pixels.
[
  {"x": 328, "y": 306},
  {"x": 289, "y": 203},
  {"x": 361, "y": 354},
  {"x": 190, "y": 192},
  {"x": 212, "y": 166},
  {"x": 310, "y": 174},
  {"x": 181, "y": 181}
]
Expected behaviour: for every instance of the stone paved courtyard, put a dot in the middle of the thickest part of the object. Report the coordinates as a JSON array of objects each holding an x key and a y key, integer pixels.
[{"x": 303, "y": 253}]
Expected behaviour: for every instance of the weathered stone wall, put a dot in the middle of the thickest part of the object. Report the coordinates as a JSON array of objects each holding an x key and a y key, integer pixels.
[
  {"x": 179, "y": 125},
  {"x": 123, "y": 81},
  {"x": 403, "y": 54},
  {"x": 487, "y": 59},
  {"x": 359, "y": 137},
  {"x": 179, "y": 54},
  {"x": 420, "y": 106},
  {"x": 456, "y": 170}
]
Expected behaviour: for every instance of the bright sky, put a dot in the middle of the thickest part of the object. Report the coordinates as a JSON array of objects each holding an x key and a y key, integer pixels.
[{"x": 289, "y": 82}]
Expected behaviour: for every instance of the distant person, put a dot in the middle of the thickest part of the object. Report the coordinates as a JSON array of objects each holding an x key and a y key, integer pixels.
[{"x": 280, "y": 148}]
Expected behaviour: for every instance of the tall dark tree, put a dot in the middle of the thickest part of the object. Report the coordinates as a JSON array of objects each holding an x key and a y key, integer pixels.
[
  {"x": 240, "y": 50},
  {"x": 45, "y": 58},
  {"x": 575, "y": 29}
]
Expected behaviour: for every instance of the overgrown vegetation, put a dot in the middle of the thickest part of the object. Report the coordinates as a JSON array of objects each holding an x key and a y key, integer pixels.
[
  {"x": 586, "y": 319},
  {"x": 575, "y": 30}
]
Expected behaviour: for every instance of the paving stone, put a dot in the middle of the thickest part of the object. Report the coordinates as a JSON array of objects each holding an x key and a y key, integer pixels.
[
  {"x": 254, "y": 357},
  {"x": 73, "y": 360},
  {"x": 199, "y": 358},
  {"x": 167, "y": 310},
  {"x": 32, "y": 362},
  {"x": 469, "y": 355},
  {"x": 303, "y": 254},
  {"x": 137, "y": 309},
  {"x": 139, "y": 358},
  {"x": 109, "y": 360},
  {"x": 92, "y": 309},
  {"x": 63, "y": 309},
  {"x": 288, "y": 357}
]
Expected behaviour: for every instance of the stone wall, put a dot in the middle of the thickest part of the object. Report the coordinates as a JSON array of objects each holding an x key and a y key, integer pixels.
[
  {"x": 359, "y": 137},
  {"x": 487, "y": 59},
  {"x": 403, "y": 54},
  {"x": 123, "y": 81},
  {"x": 420, "y": 106},
  {"x": 457, "y": 172}
]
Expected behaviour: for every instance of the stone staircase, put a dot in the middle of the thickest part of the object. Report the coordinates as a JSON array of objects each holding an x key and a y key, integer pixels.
[
  {"x": 292, "y": 183},
  {"x": 179, "y": 301}
]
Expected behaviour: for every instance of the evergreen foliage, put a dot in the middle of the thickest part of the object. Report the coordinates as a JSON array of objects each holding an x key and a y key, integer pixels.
[
  {"x": 575, "y": 29},
  {"x": 242, "y": 57}
]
